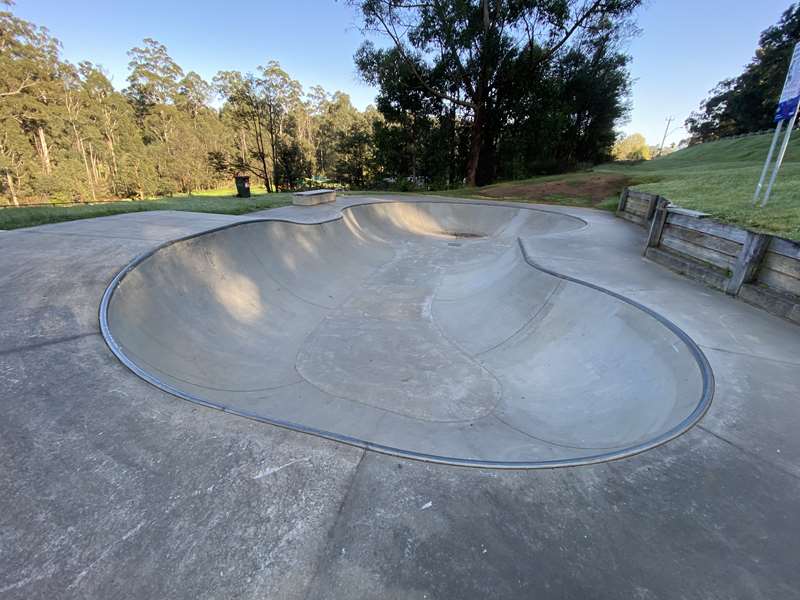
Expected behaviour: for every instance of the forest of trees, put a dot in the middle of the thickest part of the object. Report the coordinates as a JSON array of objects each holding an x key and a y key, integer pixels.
[
  {"x": 472, "y": 91},
  {"x": 747, "y": 103},
  {"x": 67, "y": 134}
]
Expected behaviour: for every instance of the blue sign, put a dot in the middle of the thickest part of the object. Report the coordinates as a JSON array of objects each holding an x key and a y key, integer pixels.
[
  {"x": 787, "y": 106},
  {"x": 786, "y": 109}
]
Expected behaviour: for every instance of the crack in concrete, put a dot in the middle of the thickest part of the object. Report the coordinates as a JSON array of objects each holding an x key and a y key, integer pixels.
[
  {"x": 44, "y": 344},
  {"x": 747, "y": 452},
  {"x": 326, "y": 552},
  {"x": 767, "y": 358}
]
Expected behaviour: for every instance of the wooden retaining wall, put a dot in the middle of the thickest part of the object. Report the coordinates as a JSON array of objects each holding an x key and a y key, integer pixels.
[
  {"x": 761, "y": 269},
  {"x": 776, "y": 285},
  {"x": 637, "y": 207},
  {"x": 781, "y": 266}
]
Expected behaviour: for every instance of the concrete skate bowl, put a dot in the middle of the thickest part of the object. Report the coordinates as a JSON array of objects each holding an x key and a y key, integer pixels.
[{"x": 422, "y": 330}]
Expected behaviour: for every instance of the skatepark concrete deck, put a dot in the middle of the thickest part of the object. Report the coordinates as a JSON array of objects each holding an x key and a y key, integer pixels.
[{"x": 113, "y": 487}]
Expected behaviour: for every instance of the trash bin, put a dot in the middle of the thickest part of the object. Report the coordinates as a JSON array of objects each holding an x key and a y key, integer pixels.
[{"x": 242, "y": 186}]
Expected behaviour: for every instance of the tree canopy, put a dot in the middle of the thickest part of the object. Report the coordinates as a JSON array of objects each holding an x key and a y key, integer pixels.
[
  {"x": 632, "y": 147},
  {"x": 511, "y": 83}
]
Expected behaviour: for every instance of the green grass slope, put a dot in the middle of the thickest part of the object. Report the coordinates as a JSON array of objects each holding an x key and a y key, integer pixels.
[
  {"x": 720, "y": 177},
  {"x": 748, "y": 149}
]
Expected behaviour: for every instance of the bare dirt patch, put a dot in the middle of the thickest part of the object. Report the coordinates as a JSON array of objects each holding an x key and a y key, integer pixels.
[{"x": 591, "y": 187}]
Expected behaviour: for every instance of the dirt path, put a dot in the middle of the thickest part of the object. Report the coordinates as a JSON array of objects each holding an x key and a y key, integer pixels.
[{"x": 594, "y": 187}]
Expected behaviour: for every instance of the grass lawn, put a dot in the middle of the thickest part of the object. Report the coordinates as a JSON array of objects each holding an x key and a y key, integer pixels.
[
  {"x": 720, "y": 177},
  {"x": 215, "y": 201}
]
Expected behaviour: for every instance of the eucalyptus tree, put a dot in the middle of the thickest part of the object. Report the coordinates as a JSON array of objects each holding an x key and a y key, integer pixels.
[
  {"x": 280, "y": 95},
  {"x": 268, "y": 110},
  {"x": 153, "y": 83},
  {"x": 247, "y": 109},
  {"x": 15, "y": 151},
  {"x": 154, "y": 76},
  {"x": 461, "y": 51},
  {"x": 76, "y": 102},
  {"x": 334, "y": 116},
  {"x": 29, "y": 64},
  {"x": 568, "y": 115},
  {"x": 111, "y": 118},
  {"x": 193, "y": 94},
  {"x": 410, "y": 111},
  {"x": 355, "y": 152}
]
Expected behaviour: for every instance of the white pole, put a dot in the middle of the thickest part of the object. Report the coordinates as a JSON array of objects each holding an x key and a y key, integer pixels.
[
  {"x": 767, "y": 162},
  {"x": 782, "y": 152},
  {"x": 664, "y": 139}
]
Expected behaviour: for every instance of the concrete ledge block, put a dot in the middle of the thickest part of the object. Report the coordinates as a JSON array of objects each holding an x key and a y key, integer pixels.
[
  {"x": 314, "y": 197},
  {"x": 688, "y": 212}
]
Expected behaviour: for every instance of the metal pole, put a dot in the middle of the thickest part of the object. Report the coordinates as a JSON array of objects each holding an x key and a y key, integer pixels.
[
  {"x": 778, "y": 162},
  {"x": 664, "y": 139},
  {"x": 767, "y": 163}
]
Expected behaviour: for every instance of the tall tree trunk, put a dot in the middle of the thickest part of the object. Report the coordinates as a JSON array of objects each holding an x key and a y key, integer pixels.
[
  {"x": 114, "y": 171},
  {"x": 414, "y": 147},
  {"x": 262, "y": 154},
  {"x": 476, "y": 140},
  {"x": 266, "y": 174},
  {"x": 274, "y": 159},
  {"x": 44, "y": 152},
  {"x": 108, "y": 133},
  {"x": 138, "y": 179},
  {"x": 73, "y": 110},
  {"x": 82, "y": 150},
  {"x": 89, "y": 177},
  {"x": 95, "y": 170},
  {"x": 164, "y": 129},
  {"x": 271, "y": 127},
  {"x": 11, "y": 188},
  {"x": 110, "y": 144},
  {"x": 479, "y": 103},
  {"x": 243, "y": 145},
  {"x": 451, "y": 145}
]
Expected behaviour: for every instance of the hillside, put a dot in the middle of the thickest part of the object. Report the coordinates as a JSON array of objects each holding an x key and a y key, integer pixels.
[
  {"x": 731, "y": 150},
  {"x": 720, "y": 178}
]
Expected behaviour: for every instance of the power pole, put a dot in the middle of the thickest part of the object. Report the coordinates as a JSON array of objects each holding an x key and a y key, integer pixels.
[{"x": 664, "y": 139}]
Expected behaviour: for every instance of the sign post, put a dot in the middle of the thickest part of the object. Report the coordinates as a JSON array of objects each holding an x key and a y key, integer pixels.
[{"x": 787, "y": 110}]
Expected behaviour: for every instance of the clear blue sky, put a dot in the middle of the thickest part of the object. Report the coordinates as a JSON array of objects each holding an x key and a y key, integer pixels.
[{"x": 685, "y": 48}]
